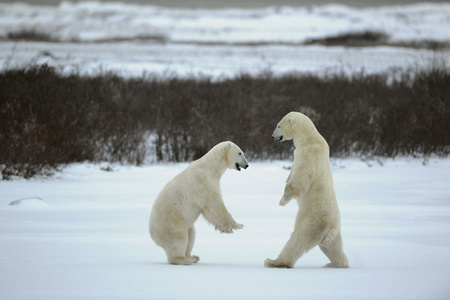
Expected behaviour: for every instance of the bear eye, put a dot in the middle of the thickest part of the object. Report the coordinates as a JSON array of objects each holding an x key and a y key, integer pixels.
[
  {"x": 279, "y": 126},
  {"x": 240, "y": 153}
]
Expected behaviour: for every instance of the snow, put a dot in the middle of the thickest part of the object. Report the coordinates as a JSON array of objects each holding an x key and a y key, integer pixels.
[
  {"x": 90, "y": 21},
  {"x": 82, "y": 234},
  {"x": 133, "y": 40}
]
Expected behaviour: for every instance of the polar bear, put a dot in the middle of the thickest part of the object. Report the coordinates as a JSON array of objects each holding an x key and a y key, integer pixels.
[
  {"x": 311, "y": 184},
  {"x": 194, "y": 191}
]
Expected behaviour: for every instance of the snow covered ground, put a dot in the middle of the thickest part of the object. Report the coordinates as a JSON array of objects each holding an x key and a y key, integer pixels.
[
  {"x": 83, "y": 235},
  {"x": 132, "y": 39}
]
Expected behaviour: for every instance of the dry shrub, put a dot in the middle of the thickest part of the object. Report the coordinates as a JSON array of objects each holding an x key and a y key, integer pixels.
[{"x": 48, "y": 120}]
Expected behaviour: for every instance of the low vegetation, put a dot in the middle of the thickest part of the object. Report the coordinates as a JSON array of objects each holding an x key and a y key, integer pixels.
[{"x": 48, "y": 120}]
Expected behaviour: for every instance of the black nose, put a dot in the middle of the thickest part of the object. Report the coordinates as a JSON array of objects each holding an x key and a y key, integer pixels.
[{"x": 245, "y": 167}]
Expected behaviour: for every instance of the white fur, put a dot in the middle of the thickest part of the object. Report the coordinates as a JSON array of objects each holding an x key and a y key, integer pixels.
[
  {"x": 194, "y": 191},
  {"x": 311, "y": 184}
]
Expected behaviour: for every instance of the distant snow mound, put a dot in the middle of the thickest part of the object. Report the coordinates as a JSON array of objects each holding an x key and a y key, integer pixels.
[{"x": 34, "y": 202}]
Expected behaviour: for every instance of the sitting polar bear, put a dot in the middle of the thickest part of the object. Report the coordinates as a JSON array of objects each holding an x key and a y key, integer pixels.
[
  {"x": 194, "y": 191},
  {"x": 311, "y": 184}
]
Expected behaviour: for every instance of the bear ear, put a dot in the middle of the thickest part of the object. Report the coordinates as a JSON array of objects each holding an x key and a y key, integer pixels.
[
  {"x": 292, "y": 120},
  {"x": 226, "y": 147}
]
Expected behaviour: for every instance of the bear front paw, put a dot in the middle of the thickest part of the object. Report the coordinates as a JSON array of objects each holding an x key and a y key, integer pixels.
[
  {"x": 283, "y": 201},
  {"x": 238, "y": 226},
  {"x": 229, "y": 229},
  {"x": 224, "y": 230}
]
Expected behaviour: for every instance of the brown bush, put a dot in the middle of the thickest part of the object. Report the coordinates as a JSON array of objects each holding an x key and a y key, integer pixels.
[{"x": 47, "y": 119}]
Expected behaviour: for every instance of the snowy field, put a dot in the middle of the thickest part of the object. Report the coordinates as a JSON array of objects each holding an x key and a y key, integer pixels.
[
  {"x": 82, "y": 234},
  {"x": 87, "y": 238},
  {"x": 132, "y": 40}
]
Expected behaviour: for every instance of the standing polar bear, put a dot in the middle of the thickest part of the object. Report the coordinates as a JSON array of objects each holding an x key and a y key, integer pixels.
[
  {"x": 194, "y": 191},
  {"x": 311, "y": 184}
]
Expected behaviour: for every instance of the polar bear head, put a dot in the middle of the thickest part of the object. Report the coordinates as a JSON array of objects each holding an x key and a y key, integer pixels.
[
  {"x": 291, "y": 125},
  {"x": 234, "y": 156}
]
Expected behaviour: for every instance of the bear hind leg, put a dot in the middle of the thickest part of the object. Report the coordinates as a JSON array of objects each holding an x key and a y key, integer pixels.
[
  {"x": 181, "y": 260},
  {"x": 299, "y": 243},
  {"x": 335, "y": 253},
  {"x": 190, "y": 245},
  {"x": 176, "y": 251}
]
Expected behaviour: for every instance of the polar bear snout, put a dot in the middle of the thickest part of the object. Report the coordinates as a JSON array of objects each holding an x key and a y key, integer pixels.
[
  {"x": 235, "y": 157},
  {"x": 277, "y": 138},
  {"x": 239, "y": 166},
  {"x": 278, "y": 134},
  {"x": 241, "y": 161}
]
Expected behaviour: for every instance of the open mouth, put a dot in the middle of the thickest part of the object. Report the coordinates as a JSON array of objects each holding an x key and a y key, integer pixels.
[
  {"x": 238, "y": 166},
  {"x": 279, "y": 139}
]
